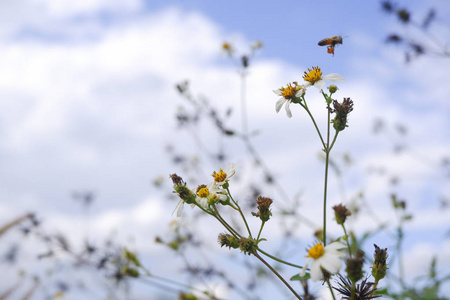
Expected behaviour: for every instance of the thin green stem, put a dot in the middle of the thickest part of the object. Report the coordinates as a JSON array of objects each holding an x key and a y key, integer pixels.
[
  {"x": 325, "y": 188},
  {"x": 353, "y": 290},
  {"x": 400, "y": 255},
  {"x": 175, "y": 283},
  {"x": 334, "y": 140},
  {"x": 331, "y": 290},
  {"x": 240, "y": 212},
  {"x": 346, "y": 239},
  {"x": 224, "y": 223},
  {"x": 260, "y": 230},
  {"x": 305, "y": 106},
  {"x": 374, "y": 287},
  {"x": 278, "y": 275},
  {"x": 279, "y": 260}
]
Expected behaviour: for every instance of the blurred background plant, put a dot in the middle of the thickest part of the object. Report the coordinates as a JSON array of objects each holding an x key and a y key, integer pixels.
[{"x": 64, "y": 266}]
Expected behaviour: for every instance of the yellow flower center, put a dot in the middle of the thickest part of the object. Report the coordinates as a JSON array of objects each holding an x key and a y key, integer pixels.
[
  {"x": 227, "y": 47},
  {"x": 203, "y": 192},
  {"x": 313, "y": 75},
  {"x": 289, "y": 91},
  {"x": 219, "y": 176},
  {"x": 316, "y": 251}
]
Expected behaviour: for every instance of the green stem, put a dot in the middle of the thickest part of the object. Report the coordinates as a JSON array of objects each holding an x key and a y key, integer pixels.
[
  {"x": 278, "y": 275},
  {"x": 374, "y": 287},
  {"x": 175, "y": 283},
  {"x": 353, "y": 290},
  {"x": 224, "y": 223},
  {"x": 305, "y": 106},
  {"x": 325, "y": 188},
  {"x": 334, "y": 140},
  {"x": 279, "y": 260},
  {"x": 331, "y": 290},
  {"x": 346, "y": 239},
  {"x": 260, "y": 230},
  {"x": 240, "y": 212}
]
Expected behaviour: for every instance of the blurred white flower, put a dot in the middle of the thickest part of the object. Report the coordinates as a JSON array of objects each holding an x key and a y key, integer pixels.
[{"x": 328, "y": 258}]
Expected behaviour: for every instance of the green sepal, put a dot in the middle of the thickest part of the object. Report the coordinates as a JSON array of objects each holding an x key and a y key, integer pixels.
[{"x": 301, "y": 278}]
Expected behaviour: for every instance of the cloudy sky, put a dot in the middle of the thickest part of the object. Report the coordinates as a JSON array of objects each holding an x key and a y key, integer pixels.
[{"x": 87, "y": 103}]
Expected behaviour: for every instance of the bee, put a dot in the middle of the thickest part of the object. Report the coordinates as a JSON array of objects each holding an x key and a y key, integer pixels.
[{"x": 331, "y": 43}]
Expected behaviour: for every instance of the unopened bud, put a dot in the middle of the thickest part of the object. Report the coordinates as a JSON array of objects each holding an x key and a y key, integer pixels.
[
  {"x": 379, "y": 267},
  {"x": 342, "y": 110},
  {"x": 332, "y": 88},
  {"x": 228, "y": 240},
  {"x": 341, "y": 213},
  {"x": 354, "y": 266},
  {"x": 264, "y": 212}
]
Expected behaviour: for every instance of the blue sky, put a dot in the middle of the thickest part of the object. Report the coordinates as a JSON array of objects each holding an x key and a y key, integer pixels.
[{"x": 87, "y": 102}]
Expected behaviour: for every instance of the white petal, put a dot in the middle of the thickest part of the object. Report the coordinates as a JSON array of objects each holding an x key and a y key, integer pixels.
[
  {"x": 279, "y": 104},
  {"x": 320, "y": 84},
  {"x": 315, "y": 271},
  {"x": 333, "y": 77},
  {"x": 288, "y": 110},
  {"x": 303, "y": 272},
  {"x": 180, "y": 208},
  {"x": 335, "y": 246},
  {"x": 278, "y": 92},
  {"x": 222, "y": 197},
  {"x": 300, "y": 92},
  {"x": 230, "y": 170},
  {"x": 203, "y": 202},
  {"x": 331, "y": 263}
]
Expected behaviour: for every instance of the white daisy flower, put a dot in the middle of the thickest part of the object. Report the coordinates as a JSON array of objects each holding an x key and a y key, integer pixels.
[
  {"x": 328, "y": 258},
  {"x": 221, "y": 177},
  {"x": 287, "y": 94},
  {"x": 208, "y": 194},
  {"x": 314, "y": 77}
]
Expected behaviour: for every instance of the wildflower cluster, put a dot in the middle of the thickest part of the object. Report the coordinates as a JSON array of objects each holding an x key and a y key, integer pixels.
[
  {"x": 326, "y": 257},
  {"x": 204, "y": 196},
  {"x": 295, "y": 93}
]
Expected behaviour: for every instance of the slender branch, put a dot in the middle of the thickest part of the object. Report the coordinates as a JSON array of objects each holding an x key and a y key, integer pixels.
[
  {"x": 305, "y": 106},
  {"x": 325, "y": 188},
  {"x": 260, "y": 230},
  {"x": 240, "y": 212},
  {"x": 278, "y": 275},
  {"x": 346, "y": 239},
  {"x": 279, "y": 260},
  {"x": 331, "y": 290}
]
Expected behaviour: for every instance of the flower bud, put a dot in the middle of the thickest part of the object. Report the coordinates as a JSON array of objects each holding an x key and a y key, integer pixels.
[
  {"x": 332, "y": 88},
  {"x": 248, "y": 245},
  {"x": 341, "y": 213},
  {"x": 127, "y": 271},
  {"x": 130, "y": 256},
  {"x": 342, "y": 110},
  {"x": 182, "y": 190},
  {"x": 354, "y": 266},
  {"x": 264, "y": 211},
  {"x": 379, "y": 267},
  {"x": 228, "y": 240},
  {"x": 184, "y": 296}
]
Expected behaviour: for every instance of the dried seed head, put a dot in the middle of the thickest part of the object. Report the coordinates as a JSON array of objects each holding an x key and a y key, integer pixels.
[{"x": 341, "y": 213}]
